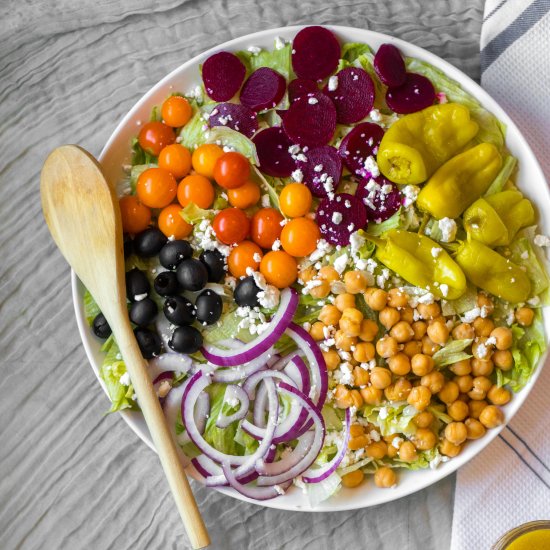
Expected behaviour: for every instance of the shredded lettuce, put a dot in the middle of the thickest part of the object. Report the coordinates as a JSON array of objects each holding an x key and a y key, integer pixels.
[
  {"x": 452, "y": 353},
  {"x": 91, "y": 309},
  {"x": 193, "y": 133},
  {"x": 228, "y": 329},
  {"x": 333, "y": 420},
  {"x": 193, "y": 213},
  {"x": 466, "y": 302},
  {"x": 502, "y": 177},
  {"x": 139, "y": 156},
  {"x": 394, "y": 222},
  {"x": 352, "y": 467},
  {"x": 318, "y": 492},
  {"x": 136, "y": 171},
  {"x": 352, "y": 50},
  {"x": 269, "y": 185},
  {"x": 227, "y": 137},
  {"x": 425, "y": 460},
  {"x": 392, "y": 418}
]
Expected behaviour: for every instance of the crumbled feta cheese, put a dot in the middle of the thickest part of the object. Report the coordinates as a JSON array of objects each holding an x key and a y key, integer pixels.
[
  {"x": 265, "y": 202},
  {"x": 340, "y": 263},
  {"x": 375, "y": 115},
  {"x": 280, "y": 43},
  {"x": 257, "y": 257},
  {"x": 336, "y": 217},
  {"x": 269, "y": 297},
  {"x": 373, "y": 434},
  {"x": 318, "y": 168},
  {"x": 447, "y": 227},
  {"x": 371, "y": 166},
  {"x": 472, "y": 314},
  {"x": 383, "y": 414},
  {"x": 332, "y": 83},
  {"x": 125, "y": 379},
  {"x": 254, "y": 50},
  {"x": 426, "y": 299},
  {"x": 323, "y": 248},
  {"x": 313, "y": 101},
  {"x": 542, "y": 240},
  {"x": 276, "y": 245},
  {"x": 410, "y": 192},
  {"x": 139, "y": 297},
  {"x": 482, "y": 350},
  {"x": 436, "y": 251},
  {"x": 444, "y": 289},
  {"x": 297, "y": 175},
  {"x": 396, "y": 442},
  {"x": 535, "y": 301},
  {"x": 164, "y": 387}
]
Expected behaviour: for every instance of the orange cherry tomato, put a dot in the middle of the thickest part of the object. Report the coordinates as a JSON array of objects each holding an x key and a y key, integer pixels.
[
  {"x": 156, "y": 188},
  {"x": 299, "y": 237},
  {"x": 245, "y": 196},
  {"x": 295, "y": 200},
  {"x": 232, "y": 170},
  {"x": 136, "y": 217},
  {"x": 279, "y": 268},
  {"x": 155, "y": 136},
  {"x": 266, "y": 227},
  {"x": 231, "y": 225},
  {"x": 172, "y": 224},
  {"x": 244, "y": 255},
  {"x": 176, "y": 159},
  {"x": 204, "y": 159},
  {"x": 176, "y": 111},
  {"x": 196, "y": 189}
]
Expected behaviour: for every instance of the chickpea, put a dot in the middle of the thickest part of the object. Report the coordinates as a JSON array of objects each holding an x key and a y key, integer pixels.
[
  {"x": 503, "y": 359},
  {"x": 332, "y": 359},
  {"x": 419, "y": 397},
  {"x": 352, "y": 314},
  {"x": 369, "y": 330},
  {"x": 390, "y": 393},
  {"x": 503, "y": 336},
  {"x": 449, "y": 449},
  {"x": 388, "y": 317},
  {"x": 475, "y": 394},
  {"x": 428, "y": 347},
  {"x": 329, "y": 274},
  {"x": 380, "y": 378},
  {"x": 355, "y": 430},
  {"x": 377, "y": 449},
  {"x": 476, "y": 407},
  {"x": 407, "y": 452},
  {"x": 429, "y": 311},
  {"x": 392, "y": 451},
  {"x": 482, "y": 350},
  {"x": 422, "y": 364},
  {"x": 498, "y": 396},
  {"x": 407, "y": 314},
  {"x": 483, "y": 327},
  {"x": 397, "y": 298},
  {"x": 464, "y": 331},
  {"x": 343, "y": 341},
  {"x": 371, "y": 395},
  {"x": 402, "y": 332},
  {"x": 357, "y": 400},
  {"x": 386, "y": 347},
  {"x": 483, "y": 301},
  {"x": 449, "y": 392},
  {"x": 482, "y": 367},
  {"x": 412, "y": 348},
  {"x": 434, "y": 381},
  {"x": 525, "y": 316},
  {"x": 317, "y": 331},
  {"x": 342, "y": 397},
  {"x": 330, "y": 315},
  {"x": 376, "y": 299},
  {"x": 491, "y": 416},
  {"x": 399, "y": 364},
  {"x": 344, "y": 301},
  {"x": 424, "y": 439},
  {"x": 364, "y": 352},
  {"x": 482, "y": 383},
  {"x": 385, "y": 477},
  {"x": 438, "y": 332},
  {"x": 307, "y": 274},
  {"x": 355, "y": 281},
  {"x": 465, "y": 383},
  {"x": 424, "y": 419},
  {"x": 475, "y": 429},
  {"x": 402, "y": 388},
  {"x": 353, "y": 479},
  {"x": 361, "y": 376},
  {"x": 461, "y": 368},
  {"x": 458, "y": 410},
  {"x": 358, "y": 442},
  {"x": 349, "y": 327},
  {"x": 456, "y": 433},
  {"x": 322, "y": 290}
]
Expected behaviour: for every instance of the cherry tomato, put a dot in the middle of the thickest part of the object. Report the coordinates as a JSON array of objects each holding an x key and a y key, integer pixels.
[
  {"x": 279, "y": 268},
  {"x": 266, "y": 227},
  {"x": 196, "y": 189},
  {"x": 172, "y": 224},
  {"x": 204, "y": 159},
  {"x": 244, "y": 255},
  {"x": 299, "y": 237},
  {"x": 231, "y": 225},
  {"x": 295, "y": 200},
  {"x": 245, "y": 196},
  {"x": 156, "y": 188},
  {"x": 232, "y": 170},
  {"x": 155, "y": 136},
  {"x": 176, "y": 111},
  {"x": 176, "y": 159},
  {"x": 136, "y": 217}
]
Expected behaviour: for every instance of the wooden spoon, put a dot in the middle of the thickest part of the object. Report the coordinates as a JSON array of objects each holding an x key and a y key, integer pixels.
[{"x": 83, "y": 216}]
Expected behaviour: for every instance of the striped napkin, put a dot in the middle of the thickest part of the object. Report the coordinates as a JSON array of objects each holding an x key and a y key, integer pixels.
[{"x": 509, "y": 483}]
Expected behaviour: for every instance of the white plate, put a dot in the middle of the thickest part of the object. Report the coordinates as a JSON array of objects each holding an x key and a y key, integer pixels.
[{"x": 531, "y": 181}]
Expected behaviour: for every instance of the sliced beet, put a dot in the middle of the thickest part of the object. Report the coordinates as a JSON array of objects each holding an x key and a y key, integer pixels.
[
  {"x": 381, "y": 198},
  {"x": 311, "y": 120},
  {"x": 389, "y": 66},
  {"x": 299, "y": 87},
  {"x": 315, "y": 53},
  {"x": 353, "y": 96},
  {"x": 263, "y": 89},
  {"x": 223, "y": 74},
  {"x": 339, "y": 217},
  {"x": 322, "y": 170},
  {"x": 415, "y": 94},
  {"x": 358, "y": 145},
  {"x": 272, "y": 146},
  {"x": 235, "y": 116}
]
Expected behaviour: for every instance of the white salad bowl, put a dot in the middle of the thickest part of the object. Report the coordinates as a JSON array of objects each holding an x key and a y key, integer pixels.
[{"x": 117, "y": 152}]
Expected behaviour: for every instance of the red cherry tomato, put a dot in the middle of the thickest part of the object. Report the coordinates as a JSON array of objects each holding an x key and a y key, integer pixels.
[
  {"x": 244, "y": 255},
  {"x": 266, "y": 227},
  {"x": 231, "y": 170},
  {"x": 299, "y": 237},
  {"x": 231, "y": 225},
  {"x": 155, "y": 136},
  {"x": 136, "y": 217},
  {"x": 156, "y": 188}
]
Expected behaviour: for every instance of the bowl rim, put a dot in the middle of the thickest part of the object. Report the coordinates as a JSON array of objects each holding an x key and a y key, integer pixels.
[{"x": 430, "y": 476}]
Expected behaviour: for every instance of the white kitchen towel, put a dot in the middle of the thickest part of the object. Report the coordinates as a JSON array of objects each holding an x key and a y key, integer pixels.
[{"x": 509, "y": 483}]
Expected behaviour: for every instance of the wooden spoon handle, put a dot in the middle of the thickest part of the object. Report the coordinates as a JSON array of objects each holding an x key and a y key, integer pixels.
[{"x": 162, "y": 439}]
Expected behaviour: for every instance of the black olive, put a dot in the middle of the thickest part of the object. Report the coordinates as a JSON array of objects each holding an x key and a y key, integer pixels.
[
  {"x": 215, "y": 265},
  {"x": 185, "y": 340},
  {"x": 173, "y": 252},
  {"x": 192, "y": 275},
  {"x": 166, "y": 283},
  {"x": 209, "y": 307},
  {"x": 179, "y": 310},
  {"x": 149, "y": 342},
  {"x": 143, "y": 313},
  {"x": 246, "y": 292},
  {"x": 101, "y": 327},
  {"x": 137, "y": 284},
  {"x": 128, "y": 246},
  {"x": 149, "y": 242}
]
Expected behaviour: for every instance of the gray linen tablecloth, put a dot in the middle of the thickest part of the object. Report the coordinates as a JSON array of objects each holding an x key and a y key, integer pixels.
[{"x": 72, "y": 477}]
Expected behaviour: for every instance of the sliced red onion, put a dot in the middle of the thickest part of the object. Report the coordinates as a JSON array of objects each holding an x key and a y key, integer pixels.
[
  {"x": 299, "y": 373},
  {"x": 167, "y": 375},
  {"x": 282, "y": 362},
  {"x": 239, "y": 372},
  {"x": 233, "y": 392},
  {"x": 208, "y": 468},
  {"x": 253, "y": 380},
  {"x": 252, "y": 350},
  {"x": 171, "y": 408},
  {"x": 164, "y": 329},
  {"x": 260, "y": 407},
  {"x": 274, "y": 359},
  {"x": 177, "y": 362},
  {"x": 319, "y": 474},
  {"x": 289, "y": 460},
  {"x": 256, "y": 493},
  {"x": 202, "y": 411}
]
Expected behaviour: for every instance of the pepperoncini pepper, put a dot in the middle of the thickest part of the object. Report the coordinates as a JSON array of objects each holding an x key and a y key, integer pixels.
[
  {"x": 492, "y": 272},
  {"x": 494, "y": 220},
  {"x": 421, "y": 262},
  {"x": 460, "y": 181},
  {"x": 415, "y": 146}
]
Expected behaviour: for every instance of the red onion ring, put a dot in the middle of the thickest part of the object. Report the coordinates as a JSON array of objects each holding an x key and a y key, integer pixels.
[
  {"x": 233, "y": 392},
  {"x": 256, "y": 493}
]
